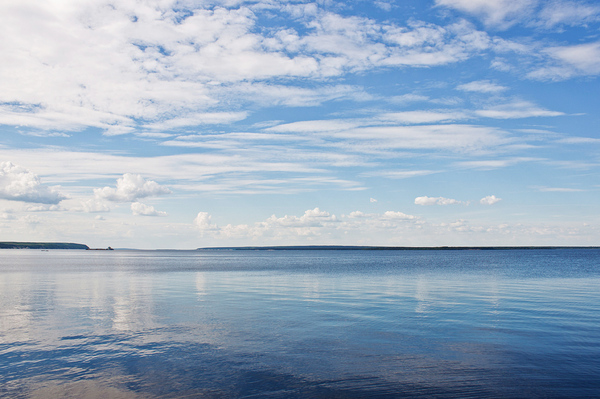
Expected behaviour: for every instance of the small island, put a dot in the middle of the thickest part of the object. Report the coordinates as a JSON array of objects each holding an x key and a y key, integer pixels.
[{"x": 41, "y": 245}]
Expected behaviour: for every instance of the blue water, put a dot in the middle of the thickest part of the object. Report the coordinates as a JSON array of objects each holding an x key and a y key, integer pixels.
[{"x": 318, "y": 324}]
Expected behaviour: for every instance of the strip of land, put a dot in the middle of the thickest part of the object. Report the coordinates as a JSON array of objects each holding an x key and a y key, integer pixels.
[
  {"x": 376, "y": 248},
  {"x": 41, "y": 245}
]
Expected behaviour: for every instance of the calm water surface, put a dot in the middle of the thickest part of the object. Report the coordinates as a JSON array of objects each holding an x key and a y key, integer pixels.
[{"x": 319, "y": 324}]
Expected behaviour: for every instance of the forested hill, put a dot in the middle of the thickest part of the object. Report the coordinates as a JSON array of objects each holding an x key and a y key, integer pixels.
[{"x": 42, "y": 245}]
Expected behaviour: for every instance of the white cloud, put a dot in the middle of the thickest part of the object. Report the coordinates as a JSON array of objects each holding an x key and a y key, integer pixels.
[
  {"x": 490, "y": 164},
  {"x": 569, "y": 61},
  {"x": 139, "y": 209},
  {"x": 397, "y": 215},
  {"x": 311, "y": 218},
  {"x": 418, "y": 117},
  {"x": 269, "y": 94},
  {"x": 516, "y": 109},
  {"x": 568, "y": 13},
  {"x": 400, "y": 174},
  {"x": 407, "y": 99},
  {"x": 19, "y": 184},
  {"x": 7, "y": 215},
  {"x": 482, "y": 86},
  {"x": 489, "y": 200},
  {"x": 151, "y": 135},
  {"x": 313, "y": 224},
  {"x": 125, "y": 65},
  {"x": 459, "y": 137},
  {"x": 129, "y": 188},
  {"x": 243, "y": 168},
  {"x": 43, "y": 208},
  {"x": 203, "y": 222},
  {"x": 560, "y": 189},
  {"x": 93, "y": 205},
  {"x": 579, "y": 140},
  {"x": 385, "y": 6},
  {"x": 500, "y": 14},
  {"x": 197, "y": 119},
  {"x": 421, "y": 44},
  {"x": 436, "y": 201},
  {"x": 372, "y": 200},
  {"x": 318, "y": 126}
]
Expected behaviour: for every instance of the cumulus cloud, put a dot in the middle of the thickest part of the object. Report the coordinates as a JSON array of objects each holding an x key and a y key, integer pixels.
[
  {"x": 139, "y": 209},
  {"x": 372, "y": 200},
  {"x": 19, "y": 184},
  {"x": 203, "y": 222},
  {"x": 312, "y": 224},
  {"x": 129, "y": 188},
  {"x": 397, "y": 215},
  {"x": 489, "y": 200},
  {"x": 311, "y": 218},
  {"x": 436, "y": 201}
]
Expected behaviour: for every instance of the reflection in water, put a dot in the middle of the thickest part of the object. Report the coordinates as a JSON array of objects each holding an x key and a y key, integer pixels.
[
  {"x": 327, "y": 324},
  {"x": 200, "y": 284}
]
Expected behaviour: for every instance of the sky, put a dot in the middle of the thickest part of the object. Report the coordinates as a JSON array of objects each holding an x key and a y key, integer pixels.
[{"x": 183, "y": 124}]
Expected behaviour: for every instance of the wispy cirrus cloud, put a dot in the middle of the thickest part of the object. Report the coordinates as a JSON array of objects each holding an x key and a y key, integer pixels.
[
  {"x": 556, "y": 13},
  {"x": 559, "y": 189},
  {"x": 500, "y": 14},
  {"x": 516, "y": 110},
  {"x": 489, "y": 164},
  {"x": 482, "y": 86},
  {"x": 564, "y": 62},
  {"x": 400, "y": 174}
]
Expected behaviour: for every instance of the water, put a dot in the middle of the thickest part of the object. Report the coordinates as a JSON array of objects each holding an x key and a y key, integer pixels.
[{"x": 318, "y": 324}]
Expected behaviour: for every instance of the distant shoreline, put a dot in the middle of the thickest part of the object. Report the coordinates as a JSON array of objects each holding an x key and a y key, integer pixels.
[
  {"x": 41, "y": 245},
  {"x": 380, "y": 248},
  {"x": 75, "y": 246}
]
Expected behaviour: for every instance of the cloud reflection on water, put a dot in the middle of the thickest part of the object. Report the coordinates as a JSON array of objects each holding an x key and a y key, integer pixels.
[{"x": 152, "y": 325}]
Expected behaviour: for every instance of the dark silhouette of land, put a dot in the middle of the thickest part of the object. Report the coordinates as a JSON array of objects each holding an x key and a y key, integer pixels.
[
  {"x": 376, "y": 248},
  {"x": 42, "y": 245}
]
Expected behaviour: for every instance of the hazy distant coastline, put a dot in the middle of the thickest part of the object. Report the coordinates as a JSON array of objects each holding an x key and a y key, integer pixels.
[
  {"x": 375, "y": 248},
  {"x": 68, "y": 245},
  {"x": 41, "y": 245}
]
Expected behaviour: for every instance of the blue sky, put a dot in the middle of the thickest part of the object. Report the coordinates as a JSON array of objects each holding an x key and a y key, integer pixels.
[{"x": 182, "y": 124}]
